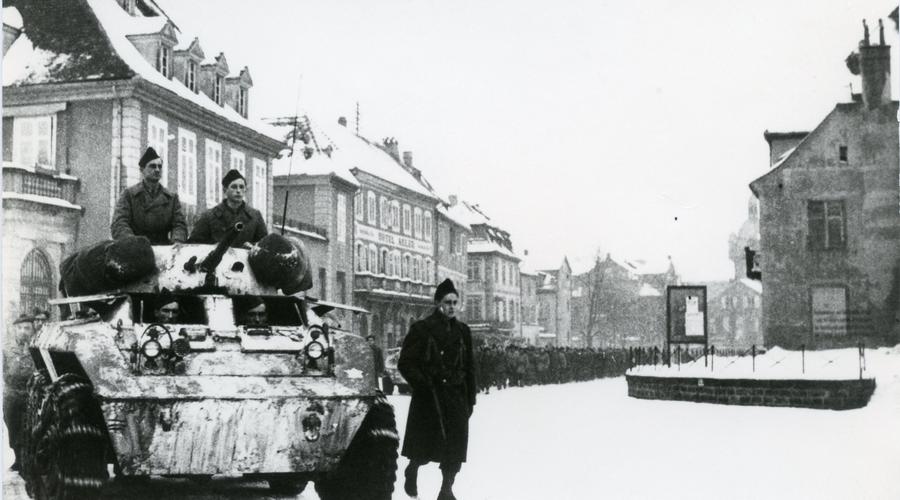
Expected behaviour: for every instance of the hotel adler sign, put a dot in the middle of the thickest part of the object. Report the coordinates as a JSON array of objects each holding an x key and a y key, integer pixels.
[{"x": 375, "y": 235}]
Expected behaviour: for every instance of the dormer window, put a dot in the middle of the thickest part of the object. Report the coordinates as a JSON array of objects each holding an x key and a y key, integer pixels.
[
  {"x": 190, "y": 77},
  {"x": 242, "y": 102},
  {"x": 217, "y": 89},
  {"x": 164, "y": 60}
]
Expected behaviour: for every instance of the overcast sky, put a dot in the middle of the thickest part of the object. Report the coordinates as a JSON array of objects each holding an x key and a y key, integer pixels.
[{"x": 631, "y": 127}]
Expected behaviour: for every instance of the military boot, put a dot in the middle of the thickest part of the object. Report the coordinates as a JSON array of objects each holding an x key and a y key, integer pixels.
[
  {"x": 409, "y": 485},
  {"x": 446, "y": 492}
]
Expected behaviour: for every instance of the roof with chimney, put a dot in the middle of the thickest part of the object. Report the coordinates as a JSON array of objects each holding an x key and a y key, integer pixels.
[{"x": 89, "y": 41}]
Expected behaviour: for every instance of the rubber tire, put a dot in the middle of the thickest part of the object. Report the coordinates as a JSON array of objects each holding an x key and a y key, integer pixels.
[
  {"x": 70, "y": 443},
  {"x": 287, "y": 486},
  {"x": 36, "y": 391},
  {"x": 368, "y": 469}
]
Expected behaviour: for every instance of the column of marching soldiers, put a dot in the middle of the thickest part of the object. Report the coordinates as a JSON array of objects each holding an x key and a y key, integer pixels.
[{"x": 518, "y": 366}]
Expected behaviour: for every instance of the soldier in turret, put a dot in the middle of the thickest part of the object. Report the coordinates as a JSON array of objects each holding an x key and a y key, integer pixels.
[
  {"x": 148, "y": 209},
  {"x": 212, "y": 224}
]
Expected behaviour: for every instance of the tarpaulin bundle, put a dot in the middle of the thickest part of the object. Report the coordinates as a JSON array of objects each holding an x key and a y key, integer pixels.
[
  {"x": 281, "y": 262},
  {"x": 106, "y": 266}
]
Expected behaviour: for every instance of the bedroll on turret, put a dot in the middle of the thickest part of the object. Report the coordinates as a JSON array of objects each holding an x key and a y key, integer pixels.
[{"x": 107, "y": 265}]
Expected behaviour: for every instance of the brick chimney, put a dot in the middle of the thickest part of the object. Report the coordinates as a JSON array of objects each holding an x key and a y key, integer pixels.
[
  {"x": 453, "y": 200},
  {"x": 342, "y": 121},
  {"x": 392, "y": 147},
  {"x": 875, "y": 69},
  {"x": 407, "y": 159}
]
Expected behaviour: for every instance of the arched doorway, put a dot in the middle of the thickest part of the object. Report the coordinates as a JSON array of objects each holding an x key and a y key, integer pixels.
[{"x": 36, "y": 282}]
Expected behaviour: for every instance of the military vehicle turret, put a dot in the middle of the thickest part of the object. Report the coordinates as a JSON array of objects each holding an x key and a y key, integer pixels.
[{"x": 204, "y": 388}]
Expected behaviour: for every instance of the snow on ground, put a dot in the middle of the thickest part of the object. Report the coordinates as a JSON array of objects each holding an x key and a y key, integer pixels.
[
  {"x": 777, "y": 363},
  {"x": 589, "y": 440}
]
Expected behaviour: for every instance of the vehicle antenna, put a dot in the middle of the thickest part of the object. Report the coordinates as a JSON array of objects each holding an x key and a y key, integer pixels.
[{"x": 287, "y": 190}]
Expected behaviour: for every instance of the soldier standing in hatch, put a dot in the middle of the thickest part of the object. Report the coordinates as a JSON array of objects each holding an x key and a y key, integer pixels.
[
  {"x": 436, "y": 360},
  {"x": 215, "y": 222},
  {"x": 148, "y": 209}
]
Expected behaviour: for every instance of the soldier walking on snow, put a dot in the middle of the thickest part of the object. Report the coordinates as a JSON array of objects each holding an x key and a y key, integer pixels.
[{"x": 436, "y": 360}]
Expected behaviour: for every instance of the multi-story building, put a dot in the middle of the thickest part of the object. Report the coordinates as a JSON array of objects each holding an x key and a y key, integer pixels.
[
  {"x": 453, "y": 232},
  {"x": 319, "y": 193},
  {"x": 75, "y": 127},
  {"x": 554, "y": 295},
  {"x": 493, "y": 294},
  {"x": 734, "y": 313},
  {"x": 830, "y": 224},
  {"x": 529, "y": 327}
]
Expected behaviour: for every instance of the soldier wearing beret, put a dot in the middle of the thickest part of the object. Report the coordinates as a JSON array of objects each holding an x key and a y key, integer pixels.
[
  {"x": 215, "y": 222},
  {"x": 148, "y": 209},
  {"x": 436, "y": 359}
]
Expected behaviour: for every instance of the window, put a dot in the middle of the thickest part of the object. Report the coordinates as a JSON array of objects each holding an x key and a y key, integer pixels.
[
  {"x": 187, "y": 166},
  {"x": 427, "y": 226},
  {"x": 158, "y": 139},
  {"x": 452, "y": 239},
  {"x": 461, "y": 249},
  {"x": 217, "y": 90},
  {"x": 213, "y": 173},
  {"x": 404, "y": 266},
  {"x": 385, "y": 210},
  {"x": 372, "y": 261},
  {"x": 497, "y": 272},
  {"x": 407, "y": 219},
  {"x": 190, "y": 76},
  {"x": 428, "y": 271},
  {"x": 395, "y": 215},
  {"x": 360, "y": 257},
  {"x": 500, "y": 315},
  {"x": 397, "y": 264},
  {"x": 242, "y": 102},
  {"x": 383, "y": 263},
  {"x": 829, "y": 310},
  {"x": 826, "y": 221},
  {"x": 358, "y": 206},
  {"x": 418, "y": 273},
  {"x": 512, "y": 310},
  {"x": 417, "y": 222},
  {"x": 341, "y": 218},
  {"x": 163, "y": 60},
  {"x": 842, "y": 153},
  {"x": 503, "y": 272},
  {"x": 370, "y": 198},
  {"x": 323, "y": 277},
  {"x": 237, "y": 161},
  {"x": 36, "y": 282},
  {"x": 260, "y": 193},
  {"x": 473, "y": 308},
  {"x": 474, "y": 271},
  {"x": 34, "y": 141},
  {"x": 342, "y": 287}
]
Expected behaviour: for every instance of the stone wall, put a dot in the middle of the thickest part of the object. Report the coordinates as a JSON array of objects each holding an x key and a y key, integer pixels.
[{"x": 820, "y": 394}]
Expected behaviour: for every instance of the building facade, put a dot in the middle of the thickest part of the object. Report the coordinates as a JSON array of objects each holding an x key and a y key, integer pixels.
[
  {"x": 493, "y": 299},
  {"x": 554, "y": 297},
  {"x": 453, "y": 233},
  {"x": 830, "y": 224},
  {"x": 734, "y": 309},
  {"x": 74, "y": 129}
]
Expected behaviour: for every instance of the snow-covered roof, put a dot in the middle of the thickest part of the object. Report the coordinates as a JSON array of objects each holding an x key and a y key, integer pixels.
[
  {"x": 484, "y": 246},
  {"x": 11, "y": 17},
  {"x": 115, "y": 23},
  {"x": 456, "y": 213},
  {"x": 366, "y": 156},
  {"x": 318, "y": 164},
  {"x": 25, "y": 64},
  {"x": 754, "y": 285},
  {"x": 648, "y": 291}
]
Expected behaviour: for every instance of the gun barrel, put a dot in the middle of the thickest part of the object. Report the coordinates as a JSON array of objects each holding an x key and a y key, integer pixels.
[{"x": 215, "y": 257}]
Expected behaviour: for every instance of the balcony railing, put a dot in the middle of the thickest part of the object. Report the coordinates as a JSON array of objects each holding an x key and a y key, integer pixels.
[
  {"x": 39, "y": 182},
  {"x": 303, "y": 226},
  {"x": 392, "y": 284}
]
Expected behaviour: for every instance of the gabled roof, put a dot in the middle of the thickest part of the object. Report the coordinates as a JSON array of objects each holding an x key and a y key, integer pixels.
[
  {"x": 455, "y": 213},
  {"x": 219, "y": 62},
  {"x": 193, "y": 48},
  {"x": 243, "y": 78},
  {"x": 136, "y": 26}
]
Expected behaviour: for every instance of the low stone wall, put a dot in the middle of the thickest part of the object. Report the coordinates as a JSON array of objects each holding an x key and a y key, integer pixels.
[{"x": 822, "y": 394}]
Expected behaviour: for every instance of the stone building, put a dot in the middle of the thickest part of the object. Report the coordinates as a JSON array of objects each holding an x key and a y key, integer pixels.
[
  {"x": 319, "y": 194},
  {"x": 830, "y": 224},
  {"x": 530, "y": 328},
  {"x": 453, "y": 233},
  {"x": 734, "y": 309},
  {"x": 493, "y": 294},
  {"x": 554, "y": 297},
  {"x": 75, "y": 127}
]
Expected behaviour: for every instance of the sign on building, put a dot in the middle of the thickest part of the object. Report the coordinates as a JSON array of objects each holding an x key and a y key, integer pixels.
[{"x": 686, "y": 318}]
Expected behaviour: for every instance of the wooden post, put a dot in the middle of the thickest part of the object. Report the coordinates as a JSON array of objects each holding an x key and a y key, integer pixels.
[
  {"x": 753, "y": 354},
  {"x": 803, "y": 357}
]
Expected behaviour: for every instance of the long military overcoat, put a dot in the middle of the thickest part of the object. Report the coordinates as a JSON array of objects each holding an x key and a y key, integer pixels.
[
  {"x": 139, "y": 213},
  {"x": 436, "y": 360},
  {"x": 212, "y": 225}
]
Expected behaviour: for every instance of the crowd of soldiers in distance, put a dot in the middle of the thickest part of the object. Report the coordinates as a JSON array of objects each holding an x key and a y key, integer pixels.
[{"x": 518, "y": 366}]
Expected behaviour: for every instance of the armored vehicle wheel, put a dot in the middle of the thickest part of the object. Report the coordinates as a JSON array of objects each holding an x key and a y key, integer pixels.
[
  {"x": 36, "y": 390},
  {"x": 369, "y": 467},
  {"x": 70, "y": 443}
]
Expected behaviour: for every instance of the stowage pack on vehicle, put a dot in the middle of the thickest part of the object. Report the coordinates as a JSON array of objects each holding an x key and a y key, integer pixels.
[{"x": 106, "y": 266}]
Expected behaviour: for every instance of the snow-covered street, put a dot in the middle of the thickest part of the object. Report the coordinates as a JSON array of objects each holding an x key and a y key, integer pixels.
[{"x": 589, "y": 440}]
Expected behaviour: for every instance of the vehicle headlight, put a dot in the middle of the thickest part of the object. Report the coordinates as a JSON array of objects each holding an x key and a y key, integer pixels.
[
  {"x": 315, "y": 350},
  {"x": 181, "y": 347},
  {"x": 315, "y": 332},
  {"x": 151, "y": 349}
]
